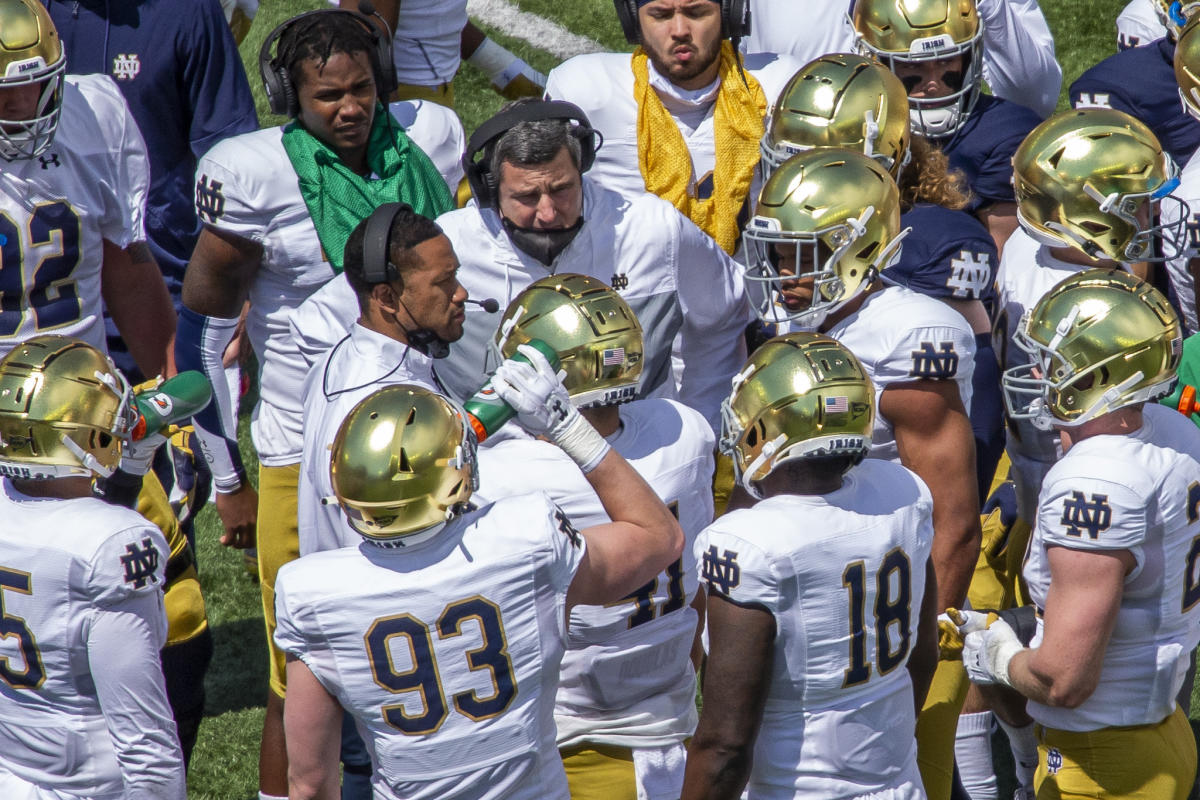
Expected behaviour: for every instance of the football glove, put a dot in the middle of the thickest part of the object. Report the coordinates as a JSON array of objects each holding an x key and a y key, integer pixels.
[
  {"x": 535, "y": 391},
  {"x": 987, "y": 653},
  {"x": 954, "y": 625}
]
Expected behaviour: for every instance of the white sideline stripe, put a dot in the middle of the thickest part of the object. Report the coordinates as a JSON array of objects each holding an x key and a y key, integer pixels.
[{"x": 528, "y": 27}]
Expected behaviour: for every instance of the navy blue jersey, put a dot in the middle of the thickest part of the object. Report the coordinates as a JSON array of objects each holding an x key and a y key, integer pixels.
[
  {"x": 1141, "y": 82},
  {"x": 178, "y": 67},
  {"x": 947, "y": 254},
  {"x": 983, "y": 148}
]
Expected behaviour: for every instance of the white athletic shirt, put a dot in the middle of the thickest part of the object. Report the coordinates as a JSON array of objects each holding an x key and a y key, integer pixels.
[
  {"x": 428, "y": 36},
  {"x": 838, "y": 720},
  {"x": 57, "y": 209},
  {"x": 1178, "y": 272},
  {"x": 602, "y": 85},
  {"x": 901, "y": 336},
  {"x": 1138, "y": 24},
  {"x": 445, "y": 652},
  {"x": 1027, "y": 272},
  {"x": 77, "y": 578},
  {"x": 359, "y": 365},
  {"x": 252, "y": 192},
  {"x": 627, "y": 678},
  {"x": 1138, "y": 492},
  {"x": 675, "y": 278}
]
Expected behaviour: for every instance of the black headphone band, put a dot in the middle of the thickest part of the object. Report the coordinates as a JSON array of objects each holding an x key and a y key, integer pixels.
[
  {"x": 377, "y": 264},
  {"x": 735, "y": 19},
  {"x": 478, "y": 171},
  {"x": 281, "y": 95}
]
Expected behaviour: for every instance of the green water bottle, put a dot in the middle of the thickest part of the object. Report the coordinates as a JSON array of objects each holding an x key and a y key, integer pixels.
[
  {"x": 486, "y": 411},
  {"x": 174, "y": 400}
]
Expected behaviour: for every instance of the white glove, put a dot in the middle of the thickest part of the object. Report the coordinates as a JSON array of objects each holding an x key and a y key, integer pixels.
[
  {"x": 510, "y": 76},
  {"x": 136, "y": 457},
  {"x": 543, "y": 407},
  {"x": 987, "y": 653}
]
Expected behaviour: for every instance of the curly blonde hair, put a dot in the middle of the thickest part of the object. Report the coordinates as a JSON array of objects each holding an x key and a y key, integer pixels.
[{"x": 927, "y": 178}]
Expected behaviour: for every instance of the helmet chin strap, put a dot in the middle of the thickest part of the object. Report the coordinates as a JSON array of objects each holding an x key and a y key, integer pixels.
[{"x": 89, "y": 461}]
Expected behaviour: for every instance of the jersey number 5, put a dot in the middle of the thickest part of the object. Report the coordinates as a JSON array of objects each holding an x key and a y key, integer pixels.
[
  {"x": 52, "y": 292},
  {"x": 423, "y": 677},
  {"x": 34, "y": 673},
  {"x": 893, "y": 608}
]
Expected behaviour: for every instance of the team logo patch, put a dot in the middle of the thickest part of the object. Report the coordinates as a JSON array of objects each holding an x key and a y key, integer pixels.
[
  {"x": 126, "y": 66},
  {"x": 566, "y": 528},
  {"x": 937, "y": 363},
  {"x": 969, "y": 274},
  {"x": 1193, "y": 232},
  {"x": 140, "y": 563},
  {"x": 1080, "y": 514},
  {"x": 620, "y": 281},
  {"x": 49, "y": 160},
  {"x": 1054, "y": 761},
  {"x": 721, "y": 571},
  {"x": 1097, "y": 100},
  {"x": 210, "y": 202}
]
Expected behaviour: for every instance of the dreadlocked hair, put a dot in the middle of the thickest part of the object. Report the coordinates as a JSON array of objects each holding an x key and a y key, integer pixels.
[
  {"x": 927, "y": 178},
  {"x": 319, "y": 37}
]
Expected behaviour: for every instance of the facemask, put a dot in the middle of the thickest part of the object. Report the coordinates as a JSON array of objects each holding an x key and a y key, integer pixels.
[{"x": 542, "y": 244}]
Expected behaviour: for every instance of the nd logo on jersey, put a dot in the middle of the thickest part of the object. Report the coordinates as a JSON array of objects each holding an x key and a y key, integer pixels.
[
  {"x": 1080, "y": 514},
  {"x": 210, "y": 201},
  {"x": 140, "y": 563},
  {"x": 126, "y": 66},
  {"x": 936, "y": 363},
  {"x": 721, "y": 571},
  {"x": 969, "y": 274}
]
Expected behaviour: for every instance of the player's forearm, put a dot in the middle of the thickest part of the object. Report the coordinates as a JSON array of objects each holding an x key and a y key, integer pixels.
[
  {"x": 138, "y": 301},
  {"x": 715, "y": 771},
  {"x": 955, "y": 551},
  {"x": 200, "y": 346}
]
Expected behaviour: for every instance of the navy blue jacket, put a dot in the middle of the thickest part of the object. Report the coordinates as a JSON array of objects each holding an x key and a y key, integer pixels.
[
  {"x": 1141, "y": 82},
  {"x": 983, "y": 148},
  {"x": 179, "y": 69}
]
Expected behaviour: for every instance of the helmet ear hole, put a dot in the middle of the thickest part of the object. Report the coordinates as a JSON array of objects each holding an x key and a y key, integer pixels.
[{"x": 405, "y": 465}]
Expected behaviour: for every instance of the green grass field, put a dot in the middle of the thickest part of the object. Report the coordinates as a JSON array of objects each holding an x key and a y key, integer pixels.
[{"x": 225, "y": 762}]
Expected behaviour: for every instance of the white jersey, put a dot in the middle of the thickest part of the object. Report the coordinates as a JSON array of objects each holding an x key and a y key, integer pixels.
[
  {"x": 359, "y": 365},
  {"x": 426, "y": 47},
  {"x": 627, "y": 678},
  {"x": 1178, "y": 271},
  {"x": 77, "y": 578},
  {"x": 1138, "y": 24},
  {"x": 901, "y": 336},
  {"x": 602, "y": 85},
  {"x": 246, "y": 185},
  {"x": 445, "y": 652},
  {"x": 1018, "y": 49},
  {"x": 1028, "y": 270},
  {"x": 843, "y": 576},
  {"x": 675, "y": 278},
  {"x": 1138, "y": 492},
  {"x": 58, "y": 209},
  {"x": 435, "y": 129}
]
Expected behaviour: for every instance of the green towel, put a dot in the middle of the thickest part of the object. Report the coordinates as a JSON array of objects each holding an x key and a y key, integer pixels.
[{"x": 338, "y": 198}]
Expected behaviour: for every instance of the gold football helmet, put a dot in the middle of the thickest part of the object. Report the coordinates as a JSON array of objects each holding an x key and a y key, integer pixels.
[
  {"x": 1174, "y": 15},
  {"x": 30, "y": 54},
  {"x": 802, "y": 395},
  {"x": 403, "y": 464},
  {"x": 65, "y": 410},
  {"x": 840, "y": 100},
  {"x": 596, "y": 335},
  {"x": 915, "y": 32},
  {"x": 840, "y": 211},
  {"x": 1098, "y": 341},
  {"x": 1187, "y": 65},
  {"x": 1088, "y": 178}
]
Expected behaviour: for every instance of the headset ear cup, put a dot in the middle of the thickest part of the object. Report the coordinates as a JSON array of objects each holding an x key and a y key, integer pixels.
[
  {"x": 627, "y": 16},
  {"x": 291, "y": 102},
  {"x": 385, "y": 76}
]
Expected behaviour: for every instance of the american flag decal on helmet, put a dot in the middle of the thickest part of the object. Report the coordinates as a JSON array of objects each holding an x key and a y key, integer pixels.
[
  {"x": 613, "y": 357},
  {"x": 837, "y": 405}
]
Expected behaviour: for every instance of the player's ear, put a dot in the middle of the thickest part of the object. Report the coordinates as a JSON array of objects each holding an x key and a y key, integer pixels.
[{"x": 385, "y": 296}]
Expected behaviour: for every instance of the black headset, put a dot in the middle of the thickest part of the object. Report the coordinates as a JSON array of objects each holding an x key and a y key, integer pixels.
[
  {"x": 377, "y": 266},
  {"x": 735, "y": 19},
  {"x": 484, "y": 184},
  {"x": 281, "y": 94}
]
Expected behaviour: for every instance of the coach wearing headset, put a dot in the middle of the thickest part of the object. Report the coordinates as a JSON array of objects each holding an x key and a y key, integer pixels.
[
  {"x": 537, "y": 213},
  {"x": 274, "y": 240},
  {"x": 682, "y": 117}
]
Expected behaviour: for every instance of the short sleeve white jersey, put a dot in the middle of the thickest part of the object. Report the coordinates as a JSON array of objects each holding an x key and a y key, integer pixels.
[
  {"x": 1139, "y": 492},
  {"x": 86, "y": 556},
  {"x": 359, "y": 365},
  {"x": 675, "y": 278},
  {"x": 1180, "y": 276},
  {"x": 434, "y": 128},
  {"x": 56, "y": 211},
  {"x": 245, "y": 185},
  {"x": 901, "y": 336},
  {"x": 1028, "y": 270},
  {"x": 1138, "y": 25},
  {"x": 627, "y": 679},
  {"x": 601, "y": 84},
  {"x": 843, "y": 576},
  {"x": 445, "y": 652}
]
